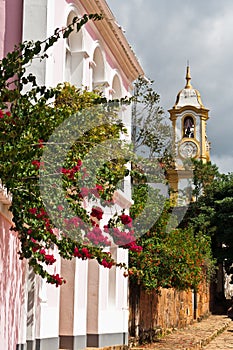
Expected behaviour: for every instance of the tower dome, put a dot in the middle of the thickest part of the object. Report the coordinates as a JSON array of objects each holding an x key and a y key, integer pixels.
[{"x": 188, "y": 96}]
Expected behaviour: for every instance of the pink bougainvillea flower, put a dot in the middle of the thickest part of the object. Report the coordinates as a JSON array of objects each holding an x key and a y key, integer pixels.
[
  {"x": 96, "y": 237},
  {"x": 84, "y": 192}
]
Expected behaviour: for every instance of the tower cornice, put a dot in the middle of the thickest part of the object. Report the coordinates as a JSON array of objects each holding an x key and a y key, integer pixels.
[{"x": 175, "y": 112}]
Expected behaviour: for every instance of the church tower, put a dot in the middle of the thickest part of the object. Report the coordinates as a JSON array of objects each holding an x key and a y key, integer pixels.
[{"x": 188, "y": 117}]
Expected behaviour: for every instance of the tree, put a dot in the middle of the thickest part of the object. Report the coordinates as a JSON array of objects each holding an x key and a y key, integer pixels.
[
  {"x": 215, "y": 208},
  {"x": 151, "y": 134},
  {"x": 171, "y": 258},
  {"x": 177, "y": 258},
  {"x": 212, "y": 212},
  {"x": 203, "y": 175}
]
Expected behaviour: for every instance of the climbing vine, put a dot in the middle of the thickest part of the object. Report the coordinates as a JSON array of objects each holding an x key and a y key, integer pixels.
[{"x": 58, "y": 201}]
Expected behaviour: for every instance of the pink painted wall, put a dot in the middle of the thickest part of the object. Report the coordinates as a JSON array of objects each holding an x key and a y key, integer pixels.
[
  {"x": 12, "y": 276},
  {"x": 12, "y": 270},
  {"x": 10, "y": 25}
]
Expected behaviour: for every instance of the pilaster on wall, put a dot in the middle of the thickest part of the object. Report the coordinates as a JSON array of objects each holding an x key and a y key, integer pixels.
[
  {"x": 38, "y": 24},
  {"x": 10, "y": 25},
  {"x": 35, "y": 28},
  {"x": 107, "y": 313},
  {"x": 42, "y": 313},
  {"x": 73, "y": 305}
]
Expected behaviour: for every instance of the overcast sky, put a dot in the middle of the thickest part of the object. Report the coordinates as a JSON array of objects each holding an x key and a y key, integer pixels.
[{"x": 165, "y": 34}]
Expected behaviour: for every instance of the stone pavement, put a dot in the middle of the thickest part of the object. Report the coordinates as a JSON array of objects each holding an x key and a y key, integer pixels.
[
  {"x": 224, "y": 341},
  {"x": 198, "y": 336}
]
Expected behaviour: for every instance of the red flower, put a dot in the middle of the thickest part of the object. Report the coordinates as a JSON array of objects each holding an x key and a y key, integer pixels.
[
  {"x": 106, "y": 228},
  {"x": 71, "y": 172},
  {"x": 57, "y": 280},
  {"x": 42, "y": 251},
  {"x": 97, "y": 213},
  {"x": 40, "y": 143},
  {"x": 49, "y": 259},
  {"x": 77, "y": 253},
  {"x": 126, "y": 219},
  {"x": 1, "y": 114},
  {"x": 32, "y": 211},
  {"x": 79, "y": 163},
  {"x": 42, "y": 214},
  {"x": 122, "y": 238},
  {"x": 99, "y": 188},
  {"x": 107, "y": 264},
  {"x": 86, "y": 253},
  {"x": 37, "y": 164},
  {"x": 133, "y": 247}
]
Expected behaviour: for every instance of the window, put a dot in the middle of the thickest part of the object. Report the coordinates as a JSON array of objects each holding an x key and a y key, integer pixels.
[
  {"x": 98, "y": 70},
  {"x": 74, "y": 55}
]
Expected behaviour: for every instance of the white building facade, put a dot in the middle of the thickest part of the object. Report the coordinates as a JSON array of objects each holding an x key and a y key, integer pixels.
[{"x": 91, "y": 309}]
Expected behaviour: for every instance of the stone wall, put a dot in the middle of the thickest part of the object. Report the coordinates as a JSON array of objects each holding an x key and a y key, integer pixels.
[{"x": 155, "y": 313}]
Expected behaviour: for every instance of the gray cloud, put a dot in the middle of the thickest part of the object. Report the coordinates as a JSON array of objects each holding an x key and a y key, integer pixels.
[{"x": 165, "y": 34}]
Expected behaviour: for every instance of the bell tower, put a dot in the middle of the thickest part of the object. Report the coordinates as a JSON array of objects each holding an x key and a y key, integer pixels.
[{"x": 189, "y": 117}]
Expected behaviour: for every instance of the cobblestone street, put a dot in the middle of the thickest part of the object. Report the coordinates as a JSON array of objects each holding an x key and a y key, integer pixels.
[
  {"x": 215, "y": 332},
  {"x": 224, "y": 341}
]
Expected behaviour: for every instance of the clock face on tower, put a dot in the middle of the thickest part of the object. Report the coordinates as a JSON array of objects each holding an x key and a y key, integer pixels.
[{"x": 188, "y": 149}]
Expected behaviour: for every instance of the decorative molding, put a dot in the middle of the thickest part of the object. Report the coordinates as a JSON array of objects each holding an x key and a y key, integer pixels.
[
  {"x": 92, "y": 64},
  {"x": 113, "y": 35}
]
